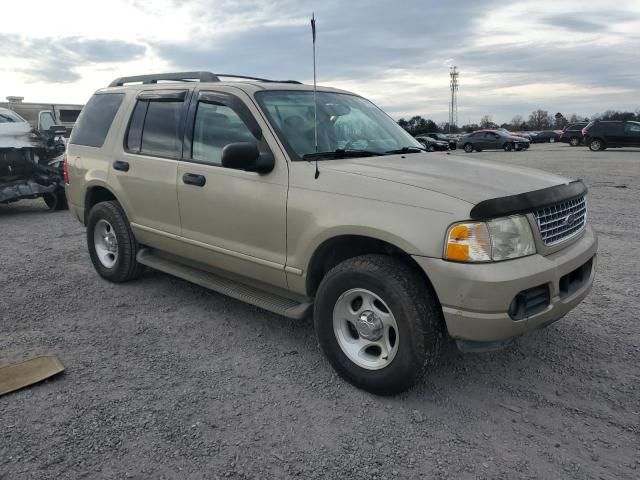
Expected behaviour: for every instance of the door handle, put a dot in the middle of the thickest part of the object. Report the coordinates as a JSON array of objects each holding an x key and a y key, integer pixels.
[
  {"x": 193, "y": 179},
  {"x": 121, "y": 165}
]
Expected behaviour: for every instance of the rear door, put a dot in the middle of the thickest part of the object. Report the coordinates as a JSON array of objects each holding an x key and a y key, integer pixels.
[
  {"x": 144, "y": 167},
  {"x": 614, "y": 134},
  {"x": 232, "y": 219}
]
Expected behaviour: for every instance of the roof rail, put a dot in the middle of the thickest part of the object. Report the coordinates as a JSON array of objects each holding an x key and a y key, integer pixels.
[
  {"x": 176, "y": 76},
  {"x": 187, "y": 77},
  {"x": 257, "y": 78}
]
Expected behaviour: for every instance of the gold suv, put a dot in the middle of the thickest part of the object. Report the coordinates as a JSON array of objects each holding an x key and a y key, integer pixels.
[{"x": 301, "y": 202}]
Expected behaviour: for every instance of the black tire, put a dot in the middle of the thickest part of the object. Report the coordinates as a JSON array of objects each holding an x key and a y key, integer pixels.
[
  {"x": 56, "y": 200},
  {"x": 507, "y": 147},
  {"x": 412, "y": 302},
  {"x": 126, "y": 266},
  {"x": 596, "y": 145},
  {"x": 431, "y": 148},
  {"x": 468, "y": 147},
  {"x": 574, "y": 141}
]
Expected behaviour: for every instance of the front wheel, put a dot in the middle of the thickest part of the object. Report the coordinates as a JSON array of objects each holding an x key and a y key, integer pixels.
[
  {"x": 574, "y": 141},
  {"x": 431, "y": 148},
  {"x": 596, "y": 145},
  {"x": 112, "y": 246},
  {"x": 378, "y": 323},
  {"x": 468, "y": 148}
]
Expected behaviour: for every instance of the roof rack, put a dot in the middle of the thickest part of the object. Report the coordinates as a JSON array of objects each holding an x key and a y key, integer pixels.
[{"x": 187, "y": 77}]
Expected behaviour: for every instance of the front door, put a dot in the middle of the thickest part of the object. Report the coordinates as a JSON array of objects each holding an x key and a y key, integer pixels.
[
  {"x": 231, "y": 219},
  {"x": 491, "y": 140}
]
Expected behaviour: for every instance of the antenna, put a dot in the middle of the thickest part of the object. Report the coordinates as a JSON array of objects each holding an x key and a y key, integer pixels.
[
  {"x": 315, "y": 101},
  {"x": 453, "y": 106}
]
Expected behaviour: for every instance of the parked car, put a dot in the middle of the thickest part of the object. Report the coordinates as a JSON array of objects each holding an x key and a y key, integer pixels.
[
  {"x": 525, "y": 135},
  {"x": 491, "y": 140},
  {"x": 599, "y": 135},
  {"x": 441, "y": 137},
  {"x": 31, "y": 162},
  {"x": 432, "y": 144},
  {"x": 545, "y": 136},
  {"x": 572, "y": 134},
  {"x": 224, "y": 184}
]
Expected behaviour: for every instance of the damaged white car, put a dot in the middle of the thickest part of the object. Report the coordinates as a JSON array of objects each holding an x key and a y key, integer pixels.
[{"x": 31, "y": 162}]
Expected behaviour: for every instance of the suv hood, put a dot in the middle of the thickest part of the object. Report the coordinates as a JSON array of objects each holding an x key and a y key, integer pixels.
[{"x": 455, "y": 176}]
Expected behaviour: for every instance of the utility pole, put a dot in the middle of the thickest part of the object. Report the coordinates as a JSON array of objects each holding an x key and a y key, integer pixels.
[{"x": 453, "y": 105}]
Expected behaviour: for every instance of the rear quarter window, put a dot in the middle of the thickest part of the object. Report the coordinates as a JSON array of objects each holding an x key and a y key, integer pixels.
[{"x": 95, "y": 119}]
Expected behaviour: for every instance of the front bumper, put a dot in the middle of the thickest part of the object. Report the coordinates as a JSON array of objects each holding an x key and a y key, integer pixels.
[{"x": 475, "y": 298}]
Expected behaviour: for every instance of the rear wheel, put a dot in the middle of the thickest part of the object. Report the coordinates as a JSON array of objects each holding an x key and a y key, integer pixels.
[
  {"x": 507, "y": 147},
  {"x": 596, "y": 144},
  {"x": 378, "y": 323},
  {"x": 56, "y": 200},
  {"x": 468, "y": 147},
  {"x": 111, "y": 243}
]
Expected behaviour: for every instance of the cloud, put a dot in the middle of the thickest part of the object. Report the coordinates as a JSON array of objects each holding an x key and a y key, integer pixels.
[
  {"x": 576, "y": 24},
  {"x": 57, "y": 59},
  {"x": 513, "y": 56}
]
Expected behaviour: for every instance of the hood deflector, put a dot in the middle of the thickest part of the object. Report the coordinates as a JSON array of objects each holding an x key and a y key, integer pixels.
[{"x": 527, "y": 202}]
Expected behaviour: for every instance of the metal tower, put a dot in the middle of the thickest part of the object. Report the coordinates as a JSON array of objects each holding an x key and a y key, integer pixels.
[{"x": 453, "y": 106}]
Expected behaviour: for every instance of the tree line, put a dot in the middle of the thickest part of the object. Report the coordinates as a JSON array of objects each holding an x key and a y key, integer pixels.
[{"x": 538, "y": 120}]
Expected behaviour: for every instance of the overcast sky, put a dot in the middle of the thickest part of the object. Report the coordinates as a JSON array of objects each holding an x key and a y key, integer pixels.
[{"x": 568, "y": 56}]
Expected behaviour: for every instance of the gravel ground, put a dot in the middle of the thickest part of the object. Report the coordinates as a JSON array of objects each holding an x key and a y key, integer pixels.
[{"x": 165, "y": 379}]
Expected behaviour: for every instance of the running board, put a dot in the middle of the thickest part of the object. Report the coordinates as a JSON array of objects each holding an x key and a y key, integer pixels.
[{"x": 275, "y": 303}]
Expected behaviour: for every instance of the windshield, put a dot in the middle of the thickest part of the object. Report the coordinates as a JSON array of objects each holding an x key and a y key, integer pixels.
[
  {"x": 7, "y": 116},
  {"x": 345, "y": 122}
]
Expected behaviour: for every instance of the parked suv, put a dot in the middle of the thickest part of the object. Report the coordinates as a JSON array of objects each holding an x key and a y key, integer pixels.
[
  {"x": 572, "y": 134},
  {"x": 391, "y": 248},
  {"x": 600, "y": 135}
]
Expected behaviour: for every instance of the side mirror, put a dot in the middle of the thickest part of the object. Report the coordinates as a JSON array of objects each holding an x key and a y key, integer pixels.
[{"x": 246, "y": 156}]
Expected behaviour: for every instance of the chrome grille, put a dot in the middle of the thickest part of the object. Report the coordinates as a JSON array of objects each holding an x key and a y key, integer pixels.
[{"x": 562, "y": 221}]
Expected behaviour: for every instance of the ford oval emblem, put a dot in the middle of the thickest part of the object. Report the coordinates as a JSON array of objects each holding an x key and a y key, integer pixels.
[{"x": 570, "y": 220}]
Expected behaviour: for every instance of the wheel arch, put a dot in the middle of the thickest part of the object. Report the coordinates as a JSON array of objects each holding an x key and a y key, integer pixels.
[
  {"x": 339, "y": 248},
  {"x": 95, "y": 194}
]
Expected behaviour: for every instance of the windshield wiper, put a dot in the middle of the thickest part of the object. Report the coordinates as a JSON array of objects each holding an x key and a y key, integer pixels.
[
  {"x": 340, "y": 153},
  {"x": 411, "y": 149}
]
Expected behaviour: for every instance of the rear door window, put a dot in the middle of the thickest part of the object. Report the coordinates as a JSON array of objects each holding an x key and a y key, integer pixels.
[
  {"x": 95, "y": 120},
  {"x": 155, "y": 127},
  {"x": 613, "y": 128}
]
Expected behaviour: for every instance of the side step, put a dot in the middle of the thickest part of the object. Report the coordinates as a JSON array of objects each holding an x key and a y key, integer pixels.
[{"x": 275, "y": 303}]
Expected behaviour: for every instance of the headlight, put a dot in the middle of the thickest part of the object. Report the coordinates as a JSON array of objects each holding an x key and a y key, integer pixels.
[{"x": 498, "y": 239}]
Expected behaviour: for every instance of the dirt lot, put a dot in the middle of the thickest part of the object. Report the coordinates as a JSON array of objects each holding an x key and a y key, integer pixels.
[{"x": 167, "y": 380}]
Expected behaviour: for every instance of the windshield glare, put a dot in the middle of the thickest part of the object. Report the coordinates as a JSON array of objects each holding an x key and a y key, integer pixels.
[{"x": 345, "y": 122}]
